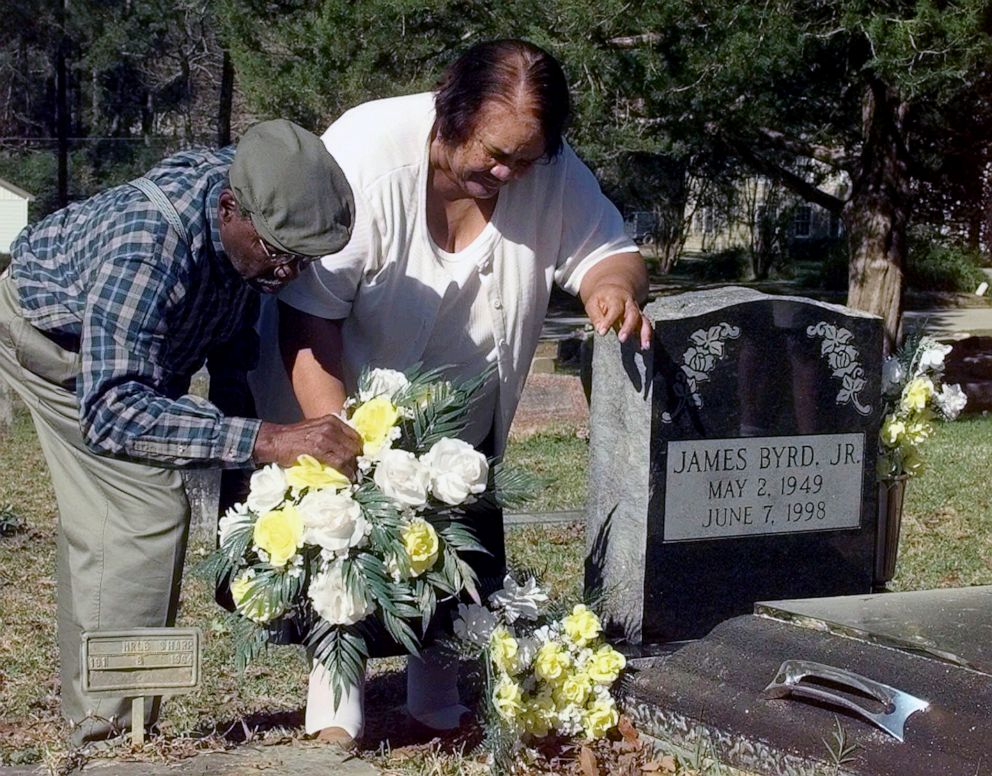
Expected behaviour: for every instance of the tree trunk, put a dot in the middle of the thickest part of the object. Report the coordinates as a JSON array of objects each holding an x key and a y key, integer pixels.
[
  {"x": 226, "y": 100},
  {"x": 62, "y": 106},
  {"x": 876, "y": 216}
]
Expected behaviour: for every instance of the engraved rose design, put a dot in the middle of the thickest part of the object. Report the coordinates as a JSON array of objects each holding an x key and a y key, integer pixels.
[
  {"x": 844, "y": 362},
  {"x": 697, "y": 363}
]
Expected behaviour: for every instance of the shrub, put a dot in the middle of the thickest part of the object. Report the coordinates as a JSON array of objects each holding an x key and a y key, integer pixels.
[
  {"x": 728, "y": 264},
  {"x": 943, "y": 267},
  {"x": 832, "y": 274},
  {"x": 816, "y": 248}
]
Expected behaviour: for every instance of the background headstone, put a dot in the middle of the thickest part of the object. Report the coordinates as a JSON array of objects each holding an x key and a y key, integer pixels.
[
  {"x": 6, "y": 407},
  {"x": 203, "y": 491},
  {"x": 733, "y": 462}
]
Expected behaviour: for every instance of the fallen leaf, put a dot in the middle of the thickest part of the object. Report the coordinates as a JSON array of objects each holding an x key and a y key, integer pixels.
[
  {"x": 587, "y": 761},
  {"x": 631, "y": 738},
  {"x": 626, "y": 727},
  {"x": 668, "y": 764}
]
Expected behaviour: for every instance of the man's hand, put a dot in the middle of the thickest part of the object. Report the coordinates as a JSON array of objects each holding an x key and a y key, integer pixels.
[
  {"x": 328, "y": 439},
  {"x": 612, "y": 291}
]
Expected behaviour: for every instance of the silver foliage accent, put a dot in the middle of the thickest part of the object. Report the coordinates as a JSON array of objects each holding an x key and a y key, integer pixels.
[
  {"x": 697, "y": 363},
  {"x": 845, "y": 362}
]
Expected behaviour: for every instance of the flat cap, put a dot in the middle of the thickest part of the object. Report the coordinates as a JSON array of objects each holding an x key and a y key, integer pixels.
[{"x": 298, "y": 197}]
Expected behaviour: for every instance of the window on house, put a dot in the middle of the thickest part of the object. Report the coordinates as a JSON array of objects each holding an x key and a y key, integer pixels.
[
  {"x": 709, "y": 221},
  {"x": 803, "y": 221}
]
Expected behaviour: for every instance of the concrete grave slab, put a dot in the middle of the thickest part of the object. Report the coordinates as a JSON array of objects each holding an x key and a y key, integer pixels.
[{"x": 708, "y": 696}]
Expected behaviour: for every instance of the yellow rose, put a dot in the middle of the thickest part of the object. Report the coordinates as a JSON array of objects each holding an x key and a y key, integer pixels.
[
  {"x": 599, "y": 718},
  {"x": 551, "y": 662},
  {"x": 606, "y": 665},
  {"x": 581, "y": 626},
  {"x": 503, "y": 649},
  {"x": 421, "y": 544},
  {"x": 249, "y": 603},
  {"x": 280, "y": 534},
  {"x": 574, "y": 689},
  {"x": 893, "y": 431},
  {"x": 538, "y": 715},
  {"x": 916, "y": 394},
  {"x": 912, "y": 461},
  {"x": 919, "y": 430},
  {"x": 311, "y": 473},
  {"x": 374, "y": 421},
  {"x": 508, "y": 699}
]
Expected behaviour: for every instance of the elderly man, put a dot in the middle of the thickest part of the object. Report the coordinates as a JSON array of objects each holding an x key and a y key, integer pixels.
[{"x": 107, "y": 310}]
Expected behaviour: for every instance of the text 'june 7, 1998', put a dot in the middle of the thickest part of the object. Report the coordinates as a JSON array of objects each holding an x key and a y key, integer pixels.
[{"x": 720, "y": 488}]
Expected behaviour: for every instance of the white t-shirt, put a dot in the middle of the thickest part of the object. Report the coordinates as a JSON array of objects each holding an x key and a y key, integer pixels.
[{"x": 404, "y": 301}]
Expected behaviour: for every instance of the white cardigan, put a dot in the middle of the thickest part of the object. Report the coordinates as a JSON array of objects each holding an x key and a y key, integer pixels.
[{"x": 404, "y": 301}]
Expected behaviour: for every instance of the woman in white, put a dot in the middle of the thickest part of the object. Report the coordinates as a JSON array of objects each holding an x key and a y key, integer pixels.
[{"x": 469, "y": 206}]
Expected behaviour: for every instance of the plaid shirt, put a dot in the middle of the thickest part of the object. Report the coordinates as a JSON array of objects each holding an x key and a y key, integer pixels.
[{"x": 111, "y": 275}]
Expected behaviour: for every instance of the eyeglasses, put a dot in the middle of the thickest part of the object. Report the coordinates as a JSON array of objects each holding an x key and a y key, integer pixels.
[
  {"x": 518, "y": 166},
  {"x": 284, "y": 259}
]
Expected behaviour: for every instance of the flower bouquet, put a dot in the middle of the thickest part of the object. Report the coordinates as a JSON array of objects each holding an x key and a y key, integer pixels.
[
  {"x": 544, "y": 676},
  {"x": 914, "y": 397},
  {"x": 338, "y": 556}
]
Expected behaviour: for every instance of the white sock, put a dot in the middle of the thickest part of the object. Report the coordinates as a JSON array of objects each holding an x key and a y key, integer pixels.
[
  {"x": 432, "y": 689},
  {"x": 350, "y": 713}
]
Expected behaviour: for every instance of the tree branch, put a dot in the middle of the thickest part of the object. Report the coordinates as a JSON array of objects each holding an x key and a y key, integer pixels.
[
  {"x": 792, "y": 181},
  {"x": 834, "y": 157},
  {"x": 636, "y": 41}
]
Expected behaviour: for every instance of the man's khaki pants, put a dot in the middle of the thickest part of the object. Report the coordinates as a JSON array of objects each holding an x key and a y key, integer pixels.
[{"x": 122, "y": 525}]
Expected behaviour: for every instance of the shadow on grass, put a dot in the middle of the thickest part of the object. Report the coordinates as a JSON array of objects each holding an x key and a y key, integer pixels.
[{"x": 387, "y": 727}]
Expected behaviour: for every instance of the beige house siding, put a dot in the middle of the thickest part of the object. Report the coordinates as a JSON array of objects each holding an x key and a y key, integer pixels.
[
  {"x": 718, "y": 228},
  {"x": 13, "y": 213}
]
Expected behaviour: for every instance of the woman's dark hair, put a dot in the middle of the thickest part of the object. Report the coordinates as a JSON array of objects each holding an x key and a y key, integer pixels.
[{"x": 497, "y": 71}]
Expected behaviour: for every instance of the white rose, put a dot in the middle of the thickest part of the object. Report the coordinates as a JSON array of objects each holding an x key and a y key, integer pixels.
[
  {"x": 474, "y": 624},
  {"x": 334, "y": 602},
  {"x": 268, "y": 488},
  {"x": 383, "y": 382},
  {"x": 933, "y": 355},
  {"x": 892, "y": 374},
  {"x": 547, "y": 633},
  {"x": 457, "y": 470},
  {"x": 526, "y": 650},
  {"x": 951, "y": 400},
  {"x": 234, "y": 518},
  {"x": 403, "y": 478},
  {"x": 333, "y": 520}
]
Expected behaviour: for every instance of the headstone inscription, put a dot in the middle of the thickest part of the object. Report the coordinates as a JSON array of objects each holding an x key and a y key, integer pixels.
[
  {"x": 139, "y": 663},
  {"x": 733, "y": 462}
]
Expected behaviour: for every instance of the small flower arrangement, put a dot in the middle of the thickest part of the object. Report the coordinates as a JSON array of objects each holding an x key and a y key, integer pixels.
[
  {"x": 545, "y": 675},
  {"x": 310, "y": 545},
  {"x": 914, "y": 397}
]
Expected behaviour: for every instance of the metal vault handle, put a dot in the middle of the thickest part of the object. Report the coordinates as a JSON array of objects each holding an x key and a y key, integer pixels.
[{"x": 897, "y": 705}]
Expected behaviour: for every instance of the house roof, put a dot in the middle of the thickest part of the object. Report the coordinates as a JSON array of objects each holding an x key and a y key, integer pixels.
[{"x": 17, "y": 190}]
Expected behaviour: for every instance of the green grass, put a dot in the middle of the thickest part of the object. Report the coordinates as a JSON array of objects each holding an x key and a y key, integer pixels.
[
  {"x": 558, "y": 458},
  {"x": 947, "y": 541},
  {"x": 947, "y": 517}
]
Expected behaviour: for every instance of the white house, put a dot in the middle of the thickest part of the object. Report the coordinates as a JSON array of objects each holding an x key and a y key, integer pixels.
[{"x": 13, "y": 213}]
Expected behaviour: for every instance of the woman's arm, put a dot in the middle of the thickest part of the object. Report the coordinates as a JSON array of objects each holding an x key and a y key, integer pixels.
[
  {"x": 613, "y": 291},
  {"x": 311, "y": 353}
]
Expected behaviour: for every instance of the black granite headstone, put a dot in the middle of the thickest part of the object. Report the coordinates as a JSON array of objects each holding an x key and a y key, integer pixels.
[{"x": 732, "y": 463}]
